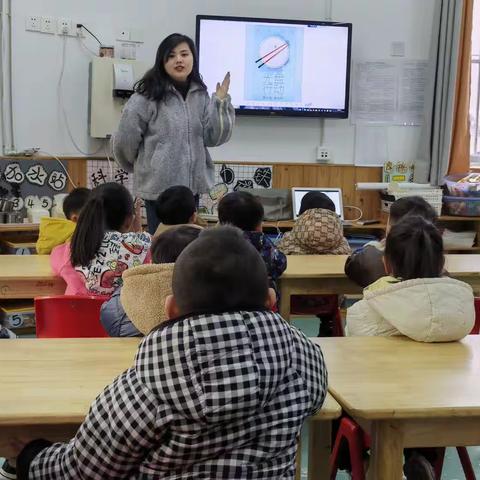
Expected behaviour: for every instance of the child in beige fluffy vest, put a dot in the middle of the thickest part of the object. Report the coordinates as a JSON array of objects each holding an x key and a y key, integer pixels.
[{"x": 138, "y": 306}]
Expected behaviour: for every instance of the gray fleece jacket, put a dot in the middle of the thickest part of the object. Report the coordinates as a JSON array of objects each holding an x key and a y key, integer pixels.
[{"x": 165, "y": 143}]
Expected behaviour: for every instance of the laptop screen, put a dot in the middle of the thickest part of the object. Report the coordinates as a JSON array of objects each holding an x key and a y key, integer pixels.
[{"x": 335, "y": 194}]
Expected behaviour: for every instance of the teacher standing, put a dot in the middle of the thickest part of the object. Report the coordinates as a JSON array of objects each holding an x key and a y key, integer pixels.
[{"x": 168, "y": 123}]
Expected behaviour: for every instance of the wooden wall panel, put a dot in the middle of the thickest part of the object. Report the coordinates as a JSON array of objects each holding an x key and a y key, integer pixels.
[
  {"x": 368, "y": 200},
  {"x": 77, "y": 169},
  {"x": 334, "y": 176},
  {"x": 287, "y": 175},
  {"x": 342, "y": 176}
]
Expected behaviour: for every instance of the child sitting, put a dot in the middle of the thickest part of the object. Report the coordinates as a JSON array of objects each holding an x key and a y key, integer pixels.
[
  {"x": 318, "y": 229},
  {"x": 175, "y": 206},
  {"x": 220, "y": 391},
  {"x": 108, "y": 239},
  {"x": 146, "y": 287},
  {"x": 365, "y": 265},
  {"x": 414, "y": 300},
  {"x": 243, "y": 210},
  {"x": 57, "y": 231}
]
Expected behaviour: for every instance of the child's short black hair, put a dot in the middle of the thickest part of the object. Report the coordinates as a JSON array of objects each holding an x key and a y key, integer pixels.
[
  {"x": 220, "y": 271},
  {"x": 175, "y": 205},
  {"x": 242, "y": 210},
  {"x": 75, "y": 201},
  {"x": 414, "y": 249},
  {"x": 413, "y": 205},
  {"x": 170, "y": 244},
  {"x": 316, "y": 200}
]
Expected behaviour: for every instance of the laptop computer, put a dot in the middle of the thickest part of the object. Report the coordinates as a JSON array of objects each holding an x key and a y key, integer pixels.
[{"x": 335, "y": 194}]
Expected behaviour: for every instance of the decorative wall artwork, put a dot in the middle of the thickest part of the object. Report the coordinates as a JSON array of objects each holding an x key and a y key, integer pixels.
[
  {"x": 32, "y": 182},
  {"x": 230, "y": 177},
  {"x": 103, "y": 171}
]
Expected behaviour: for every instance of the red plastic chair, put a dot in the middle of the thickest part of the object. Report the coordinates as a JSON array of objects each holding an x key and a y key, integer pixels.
[
  {"x": 476, "y": 327},
  {"x": 318, "y": 305},
  {"x": 358, "y": 441},
  {"x": 69, "y": 316}
]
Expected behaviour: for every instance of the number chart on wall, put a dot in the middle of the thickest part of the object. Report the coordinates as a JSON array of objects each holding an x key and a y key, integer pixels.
[
  {"x": 32, "y": 183},
  {"x": 230, "y": 177}
]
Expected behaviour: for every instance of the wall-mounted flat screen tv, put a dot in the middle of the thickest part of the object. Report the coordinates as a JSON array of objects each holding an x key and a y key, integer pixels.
[{"x": 278, "y": 67}]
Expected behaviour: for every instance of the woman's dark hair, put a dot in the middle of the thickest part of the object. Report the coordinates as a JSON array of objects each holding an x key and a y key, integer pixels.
[
  {"x": 413, "y": 205},
  {"x": 155, "y": 82},
  {"x": 108, "y": 207},
  {"x": 170, "y": 244},
  {"x": 175, "y": 205},
  {"x": 242, "y": 210},
  {"x": 414, "y": 249},
  {"x": 316, "y": 200}
]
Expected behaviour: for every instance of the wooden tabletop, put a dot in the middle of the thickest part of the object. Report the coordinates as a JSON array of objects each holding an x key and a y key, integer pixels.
[
  {"x": 28, "y": 276},
  {"x": 330, "y": 409},
  {"x": 318, "y": 266},
  {"x": 396, "y": 378},
  {"x": 315, "y": 266},
  {"x": 54, "y": 381},
  {"x": 289, "y": 224},
  {"x": 19, "y": 227},
  {"x": 25, "y": 267}
]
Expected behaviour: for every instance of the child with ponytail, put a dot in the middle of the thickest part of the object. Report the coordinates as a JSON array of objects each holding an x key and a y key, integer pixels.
[
  {"x": 108, "y": 239},
  {"x": 415, "y": 299}
]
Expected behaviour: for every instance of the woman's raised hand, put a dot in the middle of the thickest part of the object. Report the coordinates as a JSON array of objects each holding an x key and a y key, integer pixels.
[{"x": 222, "y": 89}]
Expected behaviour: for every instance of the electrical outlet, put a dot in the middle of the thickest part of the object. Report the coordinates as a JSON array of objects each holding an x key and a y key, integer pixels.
[
  {"x": 123, "y": 34},
  {"x": 65, "y": 27},
  {"x": 48, "y": 25},
  {"x": 324, "y": 154},
  {"x": 80, "y": 31},
  {"x": 33, "y": 23}
]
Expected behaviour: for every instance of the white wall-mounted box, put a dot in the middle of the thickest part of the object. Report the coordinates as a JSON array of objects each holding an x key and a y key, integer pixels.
[{"x": 105, "y": 109}]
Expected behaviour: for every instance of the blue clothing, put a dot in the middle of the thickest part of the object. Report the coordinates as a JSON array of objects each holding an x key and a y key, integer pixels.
[
  {"x": 274, "y": 259},
  {"x": 115, "y": 320}
]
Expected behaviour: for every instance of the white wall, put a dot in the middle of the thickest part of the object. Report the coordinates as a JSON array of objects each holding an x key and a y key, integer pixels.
[{"x": 37, "y": 61}]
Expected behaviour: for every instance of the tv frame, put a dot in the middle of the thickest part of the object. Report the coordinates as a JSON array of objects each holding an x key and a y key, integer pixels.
[{"x": 286, "y": 112}]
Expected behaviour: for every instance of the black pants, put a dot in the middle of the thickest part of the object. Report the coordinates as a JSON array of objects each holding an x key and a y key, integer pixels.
[{"x": 152, "y": 220}]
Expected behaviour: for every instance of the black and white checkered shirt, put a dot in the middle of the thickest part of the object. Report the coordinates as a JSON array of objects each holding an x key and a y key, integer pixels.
[{"x": 217, "y": 396}]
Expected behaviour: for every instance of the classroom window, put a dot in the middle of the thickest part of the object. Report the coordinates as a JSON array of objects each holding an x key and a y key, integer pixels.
[{"x": 475, "y": 88}]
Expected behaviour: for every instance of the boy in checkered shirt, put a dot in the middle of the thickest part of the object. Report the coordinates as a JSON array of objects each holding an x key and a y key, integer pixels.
[{"x": 219, "y": 391}]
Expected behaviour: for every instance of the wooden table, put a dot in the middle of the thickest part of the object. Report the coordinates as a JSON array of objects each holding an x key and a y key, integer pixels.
[
  {"x": 49, "y": 384},
  {"x": 28, "y": 276},
  {"x": 319, "y": 443},
  {"x": 324, "y": 274},
  {"x": 406, "y": 393},
  {"x": 19, "y": 227}
]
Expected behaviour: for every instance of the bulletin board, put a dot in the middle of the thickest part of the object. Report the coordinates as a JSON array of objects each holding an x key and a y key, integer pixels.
[
  {"x": 229, "y": 177},
  {"x": 32, "y": 181}
]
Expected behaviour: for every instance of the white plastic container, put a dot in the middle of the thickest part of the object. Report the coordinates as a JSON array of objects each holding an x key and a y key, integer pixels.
[
  {"x": 36, "y": 213},
  {"x": 57, "y": 209}
]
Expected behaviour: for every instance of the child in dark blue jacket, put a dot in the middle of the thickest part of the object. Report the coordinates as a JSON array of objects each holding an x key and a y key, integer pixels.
[{"x": 245, "y": 211}]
